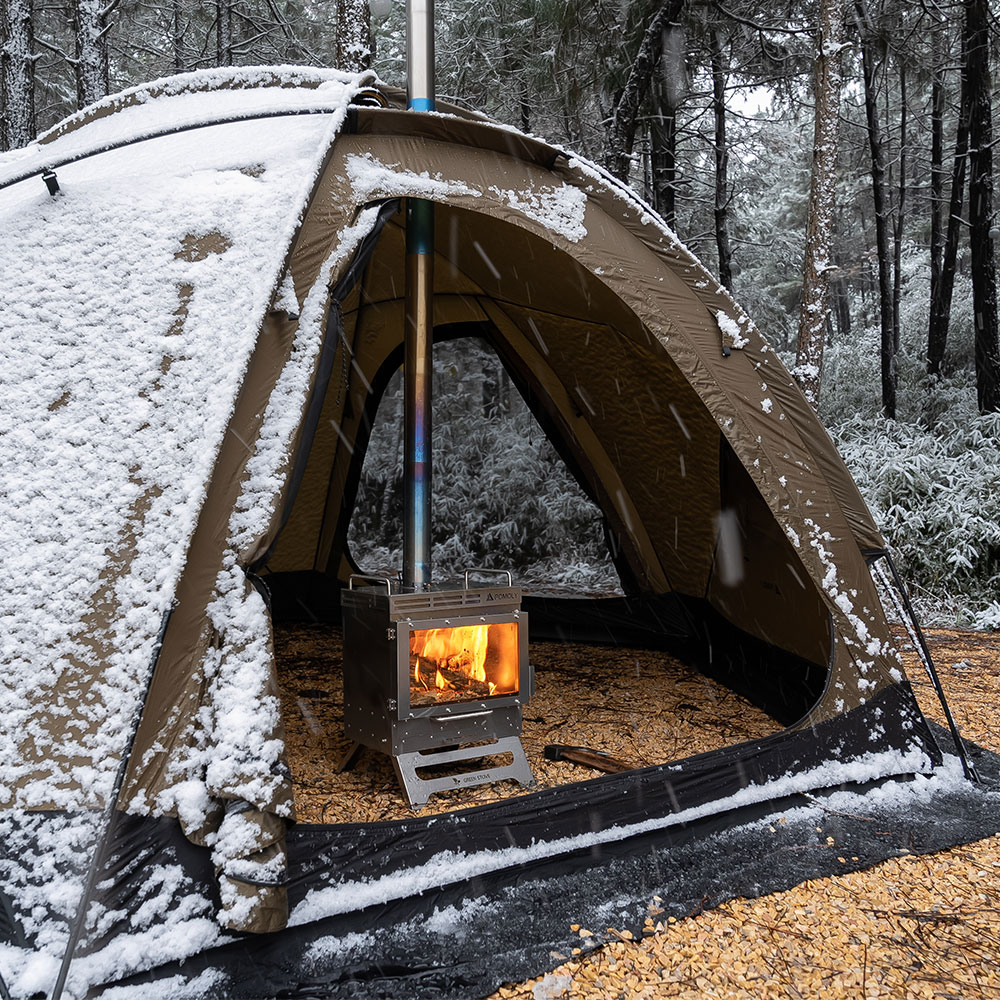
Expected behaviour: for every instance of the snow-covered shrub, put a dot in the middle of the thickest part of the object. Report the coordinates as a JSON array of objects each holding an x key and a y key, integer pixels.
[
  {"x": 931, "y": 477},
  {"x": 936, "y": 497}
]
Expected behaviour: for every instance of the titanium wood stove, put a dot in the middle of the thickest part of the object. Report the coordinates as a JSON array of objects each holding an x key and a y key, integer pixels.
[{"x": 434, "y": 677}]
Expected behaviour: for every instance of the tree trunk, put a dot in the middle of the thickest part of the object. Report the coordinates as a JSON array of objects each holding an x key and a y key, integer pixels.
[
  {"x": 878, "y": 171},
  {"x": 224, "y": 33},
  {"x": 842, "y": 309},
  {"x": 937, "y": 165},
  {"x": 897, "y": 234},
  {"x": 663, "y": 163},
  {"x": 667, "y": 94},
  {"x": 937, "y": 335},
  {"x": 90, "y": 27},
  {"x": 818, "y": 263},
  {"x": 621, "y": 127},
  {"x": 354, "y": 35},
  {"x": 177, "y": 36},
  {"x": 17, "y": 74},
  {"x": 721, "y": 163},
  {"x": 984, "y": 276}
]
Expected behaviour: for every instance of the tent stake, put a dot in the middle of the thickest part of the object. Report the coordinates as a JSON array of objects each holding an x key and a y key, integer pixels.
[
  {"x": 898, "y": 593},
  {"x": 100, "y": 855}
]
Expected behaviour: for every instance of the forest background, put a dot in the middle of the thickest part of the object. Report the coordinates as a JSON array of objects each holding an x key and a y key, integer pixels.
[{"x": 830, "y": 161}]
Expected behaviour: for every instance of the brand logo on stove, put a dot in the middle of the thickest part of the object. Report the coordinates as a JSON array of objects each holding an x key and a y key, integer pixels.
[
  {"x": 471, "y": 779},
  {"x": 501, "y": 595}
]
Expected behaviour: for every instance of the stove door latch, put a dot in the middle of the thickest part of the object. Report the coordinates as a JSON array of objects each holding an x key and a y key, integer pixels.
[{"x": 390, "y": 634}]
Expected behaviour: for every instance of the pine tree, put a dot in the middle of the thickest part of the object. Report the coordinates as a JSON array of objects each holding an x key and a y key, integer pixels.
[
  {"x": 942, "y": 286},
  {"x": 874, "y": 57},
  {"x": 622, "y": 124}
]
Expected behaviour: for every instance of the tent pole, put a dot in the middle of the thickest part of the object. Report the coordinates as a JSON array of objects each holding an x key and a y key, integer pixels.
[
  {"x": 898, "y": 592},
  {"x": 418, "y": 332},
  {"x": 110, "y": 815}
]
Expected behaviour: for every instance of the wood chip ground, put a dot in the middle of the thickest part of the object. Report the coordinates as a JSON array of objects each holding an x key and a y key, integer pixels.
[
  {"x": 913, "y": 927},
  {"x": 638, "y": 705}
]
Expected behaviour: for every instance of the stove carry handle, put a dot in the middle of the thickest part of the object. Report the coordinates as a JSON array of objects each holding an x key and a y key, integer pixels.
[
  {"x": 365, "y": 578},
  {"x": 482, "y": 570}
]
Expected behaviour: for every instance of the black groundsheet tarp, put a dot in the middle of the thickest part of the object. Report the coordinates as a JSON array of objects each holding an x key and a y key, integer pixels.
[{"x": 466, "y": 939}]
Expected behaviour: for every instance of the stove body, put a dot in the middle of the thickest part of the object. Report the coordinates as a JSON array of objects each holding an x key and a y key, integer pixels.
[{"x": 428, "y": 673}]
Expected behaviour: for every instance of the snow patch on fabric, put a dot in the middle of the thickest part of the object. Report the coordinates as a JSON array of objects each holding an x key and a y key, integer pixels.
[
  {"x": 183, "y": 102},
  {"x": 372, "y": 179},
  {"x": 561, "y": 208},
  {"x": 730, "y": 329},
  {"x": 448, "y": 866},
  {"x": 208, "y": 984},
  {"x": 43, "y": 860},
  {"x": 131, "y": 303},
  {"x": 244, "y": 760}
]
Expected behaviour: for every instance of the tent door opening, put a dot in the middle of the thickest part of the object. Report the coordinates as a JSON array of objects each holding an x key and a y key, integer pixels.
[{"x": 569, "y": 354}]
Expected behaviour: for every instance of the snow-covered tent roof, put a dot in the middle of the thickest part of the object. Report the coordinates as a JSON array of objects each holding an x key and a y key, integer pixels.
[
  {"x": 132, "y": 304},
  {"x": 172, "y": 320}
]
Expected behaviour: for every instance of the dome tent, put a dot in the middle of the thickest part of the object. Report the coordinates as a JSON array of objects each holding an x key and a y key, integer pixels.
[{"x": 198, "y": 325}]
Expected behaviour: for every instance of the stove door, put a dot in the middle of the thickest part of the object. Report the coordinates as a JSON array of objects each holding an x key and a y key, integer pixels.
[{"x": 462, "y": 664}]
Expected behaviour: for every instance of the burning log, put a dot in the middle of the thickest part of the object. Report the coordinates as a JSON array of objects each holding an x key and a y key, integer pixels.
[
  {"x": 463, "y": 662},
  {"x": 432, "y": 674}
]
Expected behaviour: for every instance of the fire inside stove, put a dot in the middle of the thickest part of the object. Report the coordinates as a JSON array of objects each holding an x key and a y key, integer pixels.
[
  {"x": 437, "y": 679},
  {"x": 463, "y": 663}
]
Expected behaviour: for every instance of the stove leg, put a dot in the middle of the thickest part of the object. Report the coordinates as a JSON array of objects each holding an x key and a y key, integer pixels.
[
  {"x": 418, "y": 790},
  {"x": 350, "y": 758}
]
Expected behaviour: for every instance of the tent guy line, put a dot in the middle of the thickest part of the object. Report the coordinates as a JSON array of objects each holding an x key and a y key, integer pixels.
[
  {"x": 894, "y": 587},
  {"x": 100, "y": 854}
]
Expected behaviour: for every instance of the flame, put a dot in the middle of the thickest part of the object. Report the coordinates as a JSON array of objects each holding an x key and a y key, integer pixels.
[
  {"x": 462, "y": 648},
  {"x": 466, "y": 662}
]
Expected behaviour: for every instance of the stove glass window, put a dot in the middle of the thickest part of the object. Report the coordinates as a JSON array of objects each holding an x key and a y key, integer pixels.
[{"x": 463, "y": 663}]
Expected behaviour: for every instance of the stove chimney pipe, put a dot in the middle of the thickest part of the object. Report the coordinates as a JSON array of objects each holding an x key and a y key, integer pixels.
[
  {"x": 419, "y": 319},
  {"x": 420, "y": 55}
]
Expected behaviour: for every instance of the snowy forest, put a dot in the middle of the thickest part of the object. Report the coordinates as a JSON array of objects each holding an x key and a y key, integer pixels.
[{"x": 831, "y": 161}]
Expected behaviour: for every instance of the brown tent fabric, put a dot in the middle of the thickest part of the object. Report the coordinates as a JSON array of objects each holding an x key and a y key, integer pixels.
[
  {"x": 646, "y": 322},
  {"x": 599, "y": 313}
]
